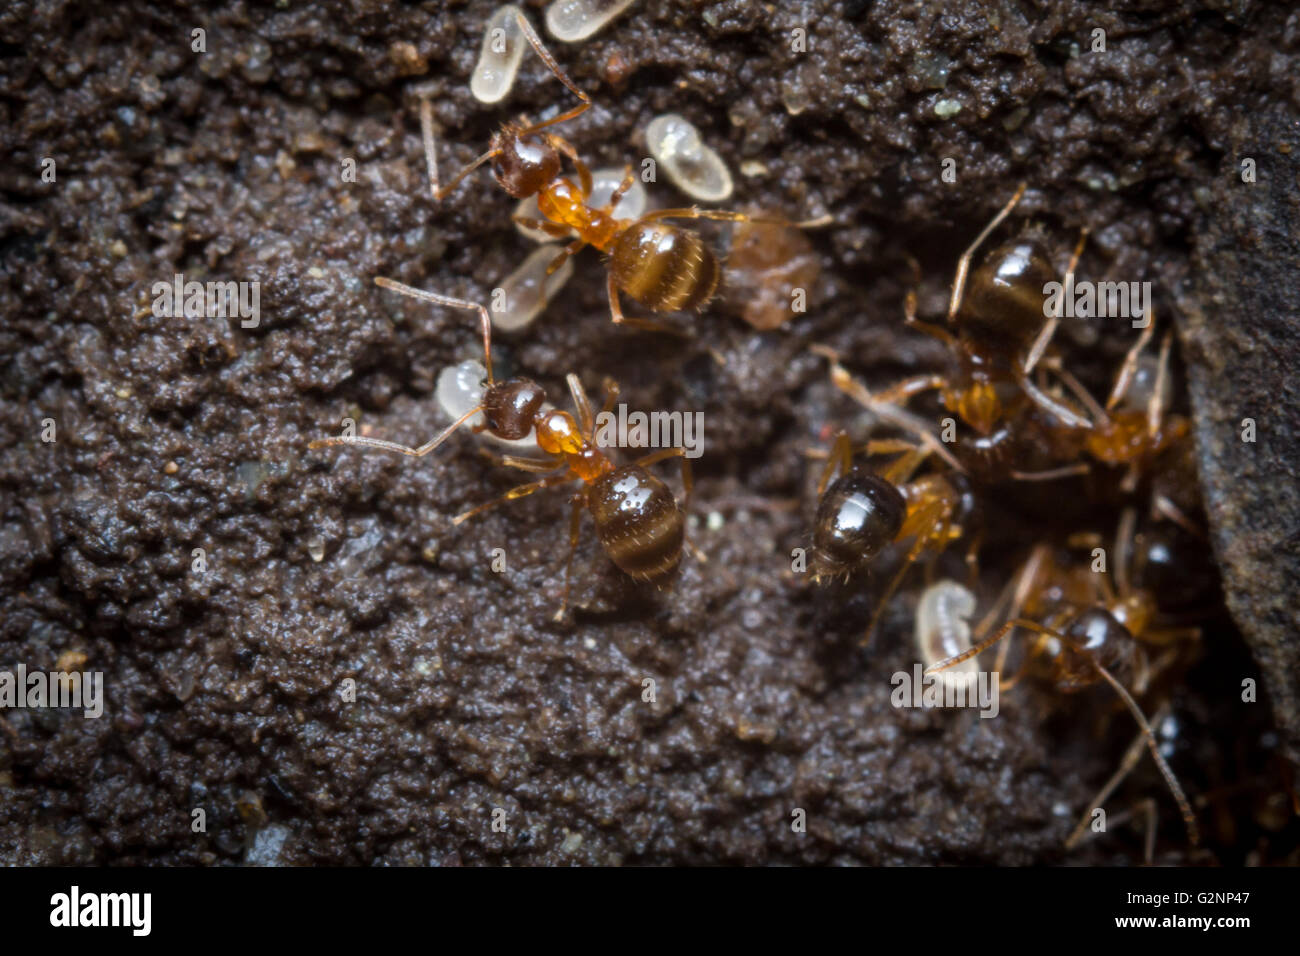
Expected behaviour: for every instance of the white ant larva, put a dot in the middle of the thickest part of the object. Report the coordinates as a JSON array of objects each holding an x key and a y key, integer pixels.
[
  {"x": 527, "y": 290},
  {"x": 693, "y": 167},
  {"x": 574, "y": 20},
  {"x": 499, "y": 57},
  {"x": 942, "y": 628}
]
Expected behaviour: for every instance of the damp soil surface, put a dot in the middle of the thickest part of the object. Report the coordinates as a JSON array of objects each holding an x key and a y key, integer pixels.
[{"x": 301, "y": 645}]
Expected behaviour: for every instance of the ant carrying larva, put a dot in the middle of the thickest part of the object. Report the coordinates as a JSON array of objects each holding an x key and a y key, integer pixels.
[{"x": 638, "y": 521}]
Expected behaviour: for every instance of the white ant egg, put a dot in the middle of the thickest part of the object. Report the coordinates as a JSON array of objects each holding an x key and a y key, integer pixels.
[
  {"x": 603, "y": 183},
  {"x": 942, "y": 630},
  {"x": 693, "y": 167},
  {"x": 460, "y": 388},
  {"x": 527, "y": 290},
  {"x": 574, "y": 20},
  {"x": 499, "y": 57}
]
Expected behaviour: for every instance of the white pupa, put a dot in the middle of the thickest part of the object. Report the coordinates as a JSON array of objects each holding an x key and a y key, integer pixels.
[
  {"x": 942, "y": 628},
  {"x": 499, "y": 57},
  {"x": 574, "y": 20},
  {"x": 525, "y": 292},
  {"x": 693, "y": 167}
]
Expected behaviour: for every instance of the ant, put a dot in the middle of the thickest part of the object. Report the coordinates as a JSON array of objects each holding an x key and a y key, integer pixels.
[
  {"x": 1087, "y": 630},
  {"x": 999, "y": 335},
  {"x": 664, "y": 267},
  {"x": 638, "y": 521},
  {"x": 861, "y": 511}
]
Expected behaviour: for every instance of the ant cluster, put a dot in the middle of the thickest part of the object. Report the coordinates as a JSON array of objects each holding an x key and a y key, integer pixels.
[{"x": 1020, "y": 416}]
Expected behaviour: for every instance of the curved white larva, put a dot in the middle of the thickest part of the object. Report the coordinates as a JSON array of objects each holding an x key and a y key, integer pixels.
[
  {"x": 574, "y": 20},
  {"x": 942, "y": 629},
  {"x": 460, "y": 388},
  {"x": 603, "y": 183},
  {"x": 527, "y": 290},
  {"x": 498, "y": 58},
  {"x": 693, "y": 167}
]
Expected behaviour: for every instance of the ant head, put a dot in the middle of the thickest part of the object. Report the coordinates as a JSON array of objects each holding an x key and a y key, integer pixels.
[
  {"x": 858, "y": 515},
  {"x": 511, "y": 407},
  {"x": 1003, "y": 307},
  {"x": 1097, "y": 633},
  {"x": 524, "y": 163}
]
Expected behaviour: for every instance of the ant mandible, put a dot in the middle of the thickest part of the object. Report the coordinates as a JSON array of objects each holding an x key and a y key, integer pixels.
[
  {"x": 664, "y": 267},
  {"x": 639, "y": 523}
]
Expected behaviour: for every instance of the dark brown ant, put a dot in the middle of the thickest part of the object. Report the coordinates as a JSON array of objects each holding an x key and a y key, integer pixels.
[
  {"x": 998, "y": 335},
  {"x": 638, "y": 521},
  {"x": 1086, "y": 631},
  {"x": 664, "y": 267},
  {"x": 860, "y": 512}
]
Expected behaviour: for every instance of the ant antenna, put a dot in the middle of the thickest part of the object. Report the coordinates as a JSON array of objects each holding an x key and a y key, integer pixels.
[
  {"x": 446, "y": 300},
  {"x": 963, "y": 264}
]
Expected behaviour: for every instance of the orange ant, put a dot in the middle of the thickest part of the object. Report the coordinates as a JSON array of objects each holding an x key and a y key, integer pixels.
[
  {"x": 1085, "y": 631},
  {"x": 999, "y": 334},
  {"x": 638, "y": 521},
  {"x": 664, "y": 267},
  {"x": 860, "y": 512}
]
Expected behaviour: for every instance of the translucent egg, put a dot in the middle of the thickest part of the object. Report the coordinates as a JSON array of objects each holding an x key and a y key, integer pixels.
[
  {"x": 460, "y": 388},
  {"x": 525, "y": 292},
  {"x": 693, "y": 167},
  {"x": 498, "y": 58},
  {"x": 603, "y": 183},
  {"x": 574, "y": 20},
  {"x": 942, "y": 630}
]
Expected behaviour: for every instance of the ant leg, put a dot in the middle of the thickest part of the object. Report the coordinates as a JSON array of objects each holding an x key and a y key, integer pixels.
[
  {"x": 934, "y": 514},
  {"x": 616, "y": 313},
  {"x": 726, "y": 215},
  {"x": 431, "y": 156},
  {"x": 519, "y": 491},
  {"x": 586, "y": 420},
  {"x": 540, "y": 49},
  {"x": 911, "y": 321},
  {"x": 523, "y": 464},
  {"x": 1067, "y": 416},
  {"x": 688, "y": 487},
  {"x": 1189, "y": 818},
  {"x": 543, "y": 225},
  {"x": 629, "y": 180},
  {"x": 575, "y": 534},
  {"x": 1126, "y": 765},
  {"x": 1162, "y": 507},
  {"x": 1124, "y": 549},
  {"x": 571, "y": 249},
  {"x": 1124, "y": 377},
  {"x": 1049, "y": 327},
  {"x": 584, "y": 171},
  {"x": 611, "y": 395},
  {"x": 838, "y": 462},
  {"x": 963, "y": 264},
  {"x": 394, "y": 446},
  {"x": 901, "y": 470},
  {"x": 447, "y": 300},
  {"x": 1155, "y": 406}
]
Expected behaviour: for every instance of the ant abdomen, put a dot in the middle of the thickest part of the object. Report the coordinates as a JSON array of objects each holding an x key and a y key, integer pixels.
[
  {"x": 859, "y": 514},
  {"x": 511, "y": 407},
  {"x": 638, "y": 521},
  {"x": 663, "y": 267},
  {"x": 1003, "y": 307}
]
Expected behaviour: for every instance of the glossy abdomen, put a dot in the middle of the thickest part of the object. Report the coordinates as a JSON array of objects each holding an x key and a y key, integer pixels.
[
  {"x": 663, "y": 267},
  {"x": 638, "y": 521}
]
